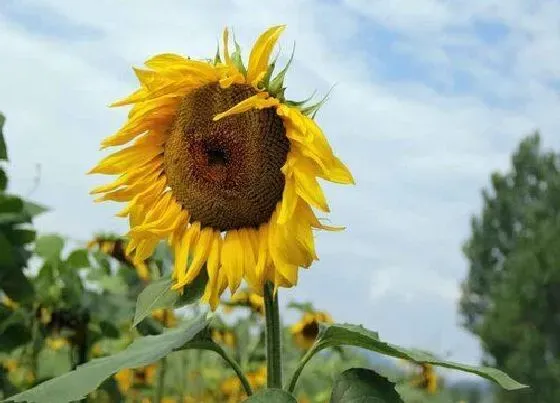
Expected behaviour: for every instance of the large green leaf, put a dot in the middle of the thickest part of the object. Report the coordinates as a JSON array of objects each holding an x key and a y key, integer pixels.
[
  {"x": 272, "y": 396},
  {"x": 76, "y": 384},
  {"x": 49, "y": 246},
  {"x": 3, "y": 151},
  {"x": 78, "y": 259},
  {"x": 353, "y": 335},
  {"x": 33, "y": 209},
  {"x": 12, "y": 280},
  {"x": 360, "y": 385},
  {"x": 10, "y": 204},
  {"x": 158, "y": 294},
  {"x": 3, "y": 180}
]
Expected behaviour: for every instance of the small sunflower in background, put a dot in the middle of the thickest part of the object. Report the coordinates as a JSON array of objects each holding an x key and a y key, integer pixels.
[
  {"x": 9, "y": 303},
  {"x": 245, "y": 298},
  {"x": 232, "y": 389},
  {"x": 426, "y": 379},
  {"x": 57, "y": 343},
  {"x": 165, "y": 316},
  {"x": 128, "y": 379},
  {"x": 116, "y": 248},
  {"x": 220, "y": 164},
  {"x": 224, "y": 336},
  {"x": 306, "y": 330}
]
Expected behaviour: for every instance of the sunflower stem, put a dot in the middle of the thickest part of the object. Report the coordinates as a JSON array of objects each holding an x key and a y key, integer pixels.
[
  {"x": 273, "y": 343},
  {"x": 160, "y": 381}
]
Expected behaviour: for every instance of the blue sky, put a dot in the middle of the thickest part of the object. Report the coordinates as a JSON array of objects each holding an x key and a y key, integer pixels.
[{"x": 431, "y": 97}]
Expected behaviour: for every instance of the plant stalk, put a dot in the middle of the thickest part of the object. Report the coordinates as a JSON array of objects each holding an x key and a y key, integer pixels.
[
  {"x": 273, "y": 342},
  {"x": 160, "y": 381}
]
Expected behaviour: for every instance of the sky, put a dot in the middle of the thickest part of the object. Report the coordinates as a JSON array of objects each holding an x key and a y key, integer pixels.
[{"x": 431, "y": 96}]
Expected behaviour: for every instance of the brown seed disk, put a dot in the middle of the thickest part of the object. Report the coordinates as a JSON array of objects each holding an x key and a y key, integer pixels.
[
  {"x": 311, "y": 330},
  {"x": 226, "y": 173}
]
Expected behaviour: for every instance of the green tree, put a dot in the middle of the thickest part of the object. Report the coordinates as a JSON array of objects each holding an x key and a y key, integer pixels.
[{"x": 511, "y": 297}]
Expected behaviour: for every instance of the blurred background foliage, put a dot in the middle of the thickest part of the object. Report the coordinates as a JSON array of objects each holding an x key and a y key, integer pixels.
[{"x": 64, "y": 303}]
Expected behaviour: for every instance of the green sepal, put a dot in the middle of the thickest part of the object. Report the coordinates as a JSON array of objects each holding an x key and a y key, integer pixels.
[
  {"x": 217, "y": 58},
  {"x": 312, "y": 109},
  {"x": 276, "y": 87},
  {"x": 236, "y": 58}
]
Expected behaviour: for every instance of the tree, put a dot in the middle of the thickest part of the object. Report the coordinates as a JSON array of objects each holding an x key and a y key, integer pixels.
[{"x": 511, "y": 297}]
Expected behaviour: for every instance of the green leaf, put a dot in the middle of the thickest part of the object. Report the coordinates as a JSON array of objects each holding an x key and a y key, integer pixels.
[
  {"x": 158, "y": 294},
  {"x": 3, "y": 151},
  {"x": 360, "y": 385},
  {"x": 78, "y": 259},
  {"x": 113, "y": 284},
  {"x": 33, "y": 209},
  {"x": 12, "y": 280},
  {"x": 10, "y": 204},
  {"x": 19, "y": 236},
  {"x": 49, "y": 247},
  {"x": 76, "y": 385},
  {"x": 272, "y": 396},
  {"x": 3, "y": 180},
  {"x": 353, "y": 335}
]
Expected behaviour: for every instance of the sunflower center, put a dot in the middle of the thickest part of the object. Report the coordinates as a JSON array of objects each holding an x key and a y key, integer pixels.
[
  {"x": 226, "y": 173},
  {"x": 311, "y": 330}
]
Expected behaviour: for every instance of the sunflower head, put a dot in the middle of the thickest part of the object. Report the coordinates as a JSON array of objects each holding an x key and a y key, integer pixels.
[
  {"x": 9, "y": 303},
  {"x": 165, "y": 316},
  {"x": 116, "y": 248},
  {"x": 138, "y": 377},
  {"x": 56, "y": 343},
  {"x": 307, "y": 329},
  {"x": 217, "y": 162},
  {"x": 246, "y": 298},
  {"x": 224, "y": 336},
  {"x": 427, "y": 379},
  {"x": 232, "y": 390}
]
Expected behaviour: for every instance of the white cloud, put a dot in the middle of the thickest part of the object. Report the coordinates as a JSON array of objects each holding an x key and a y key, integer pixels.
[{"x": 412, "y": 284}]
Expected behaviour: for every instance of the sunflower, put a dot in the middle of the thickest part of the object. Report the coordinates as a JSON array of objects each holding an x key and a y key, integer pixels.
[
  {"x": 56, "y": 343},
  {"x": 9, "y": 303},
  {"x": 306, "y": 330},
  {"x": 427, "y": 378},
  {"x": 245, "y": 298},
  {"x": 165, "y": 316},
  {"x": 116, "y": 248},
  {"x": 232, "y": 389},
  {"x": 130, "y": 378},
  {"x": 224, "y": 336},
  {"x": 221, "y": 165}
]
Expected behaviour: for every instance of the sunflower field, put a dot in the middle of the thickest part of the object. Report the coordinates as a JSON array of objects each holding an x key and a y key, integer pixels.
[{"x": 217, "y": 172}]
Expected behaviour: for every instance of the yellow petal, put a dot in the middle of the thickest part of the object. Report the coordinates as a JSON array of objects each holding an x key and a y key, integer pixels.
[
  {"x": 129, "y": 177},
  {"x": 232, "y": 259},
  {"x": 289, "y": 200},
  {"x": 262, "y": 258},
  {"x": 248, "y": 251},
  {"x": 258, "y": 101},
  {"x": 182, "y": 252},
  {"x": 134, "y": 156},
  {"x": 200, "y": 255},
  {"x": 164, "y": 61},
  {"x": 212, "y": 291},
  {"x": 155, "y": 114},
  {"x": 260, "y": 54},
  {"x": 225, "y": 37},
  {"x": 306, "y": 185}
]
